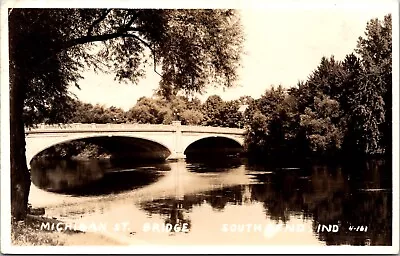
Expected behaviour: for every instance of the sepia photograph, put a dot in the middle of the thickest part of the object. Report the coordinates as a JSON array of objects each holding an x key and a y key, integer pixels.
[{"x": 163, "y": 127}]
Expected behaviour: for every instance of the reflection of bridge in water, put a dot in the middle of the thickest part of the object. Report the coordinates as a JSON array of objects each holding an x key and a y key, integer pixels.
[{"x": 164, "y": 141}]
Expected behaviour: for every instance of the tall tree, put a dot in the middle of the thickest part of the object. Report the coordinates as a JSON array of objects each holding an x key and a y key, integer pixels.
[
  {"x": 48, "y": 48},
  {"x": 230, "y": 114},
  {"x": 326, "y": 79},
  {"x": 355, "y": 137},
  {"x": 212, "y": 111},
  {"x": 375, "y": 50}
]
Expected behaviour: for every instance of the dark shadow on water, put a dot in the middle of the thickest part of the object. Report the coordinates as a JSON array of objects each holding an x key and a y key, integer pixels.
[
  {"x": 149, "y": 164},
  {"x": 215, "y": 163},
  {"x": 93, "y": 177},
  {"x": 116, "y": 182}
]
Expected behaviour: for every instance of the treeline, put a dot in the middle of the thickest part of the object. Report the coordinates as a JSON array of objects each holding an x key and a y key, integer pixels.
[
  {"x": 342, "y": 109},
  {"x": 157, "y": 110}
]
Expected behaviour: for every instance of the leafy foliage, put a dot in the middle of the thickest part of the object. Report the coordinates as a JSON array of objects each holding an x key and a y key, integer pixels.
[
  {"x": 375, "y": 50},
  {"x": 271, "y": 124},
  {"x": 212, "y": 108},
  {"x": 344, "y": 107},
  {"x": 322, "y": 134},
  {"x": 158, "y": 110},
  {"x": 50, "y": 47}
]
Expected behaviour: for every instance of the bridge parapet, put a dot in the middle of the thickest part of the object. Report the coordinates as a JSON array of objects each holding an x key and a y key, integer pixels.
[
  {"x": 78, "y": 127},
  {"x": 213, "y": 129},
  {"x": 98, "y": 127}
]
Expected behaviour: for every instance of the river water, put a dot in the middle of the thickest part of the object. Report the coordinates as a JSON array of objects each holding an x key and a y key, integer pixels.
[{"x": 222, "y": 202}]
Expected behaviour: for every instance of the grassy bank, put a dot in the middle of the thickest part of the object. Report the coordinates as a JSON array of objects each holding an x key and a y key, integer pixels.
[{"x": 28, "y": 233}]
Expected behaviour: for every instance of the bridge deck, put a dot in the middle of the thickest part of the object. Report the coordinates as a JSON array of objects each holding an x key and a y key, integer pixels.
[{"x": 75, "y": 128}]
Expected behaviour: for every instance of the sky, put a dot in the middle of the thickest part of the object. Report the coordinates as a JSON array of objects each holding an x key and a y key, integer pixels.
[{"x": 283, "y": 45}]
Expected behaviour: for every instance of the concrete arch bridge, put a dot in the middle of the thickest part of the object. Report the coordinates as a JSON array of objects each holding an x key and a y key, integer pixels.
[{"x": 158, "y": 141}]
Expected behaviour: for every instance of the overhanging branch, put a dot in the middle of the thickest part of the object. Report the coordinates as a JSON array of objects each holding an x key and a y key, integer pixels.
[
  {"x": 100, "y": 19},
  {"x": 89, "y": 39},
  {"x": 127, "y": 26},
  {"x": 105, "y": 37}
]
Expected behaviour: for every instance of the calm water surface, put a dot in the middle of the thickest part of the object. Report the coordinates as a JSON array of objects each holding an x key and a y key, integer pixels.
[{"x": 224, "y": 202}]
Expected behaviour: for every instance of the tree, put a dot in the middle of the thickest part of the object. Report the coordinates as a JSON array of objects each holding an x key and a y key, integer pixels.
[
  {"x": 117, "y": 115},
  {"x": 323, "y": 135},
  {"x": 194, "y": 104},
  {"x": 50, "y": 112},
  {"x": 147, "y": 111},
  {"x": 375, "y": 50},
  {"x": 231, "y": 116},
  {"x": 326, "y": 79},
  {"x": 178, "y": 104},
  {"x": 270, "y": 101},
  {"x": 250, "y": 111},
  {"x": 272, "y": 125},
  {"x": 255, "y": 140},
  {"x": 367, "y": 94},
  {"x": 351, "y": 104},
  {"x": 191, "y": 117},
  {"x": 212, "y": 110},
  {"x": 48, "y": 48}
]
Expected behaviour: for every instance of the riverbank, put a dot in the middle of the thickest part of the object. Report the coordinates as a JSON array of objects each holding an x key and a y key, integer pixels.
[{"x": 30, "y": 233}]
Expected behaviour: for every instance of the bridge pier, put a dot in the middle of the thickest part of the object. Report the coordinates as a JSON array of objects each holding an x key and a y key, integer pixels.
[
  {"x": 178, "y": 152},
  {"x": 176, "y": 156}
]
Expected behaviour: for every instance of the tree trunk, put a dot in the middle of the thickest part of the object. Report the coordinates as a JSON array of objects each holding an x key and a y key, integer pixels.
[{"x": 20, "y": 176}]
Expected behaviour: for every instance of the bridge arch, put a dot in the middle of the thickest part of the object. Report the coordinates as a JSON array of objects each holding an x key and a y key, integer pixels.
[
  {"x": 232, "y": 142},
  {"x": 36, "y": 145}
]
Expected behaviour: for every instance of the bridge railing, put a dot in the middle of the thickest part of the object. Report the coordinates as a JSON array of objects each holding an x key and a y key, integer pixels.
[
  {"x": 214, "y": 129},
  {"x": 95, "y": 127},
  {"x": 129, "y": 127}
]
